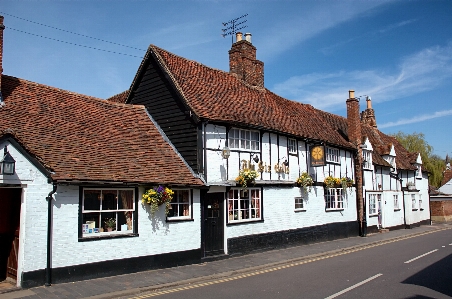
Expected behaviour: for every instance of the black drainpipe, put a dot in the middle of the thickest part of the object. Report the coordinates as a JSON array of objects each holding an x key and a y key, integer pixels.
[
  {"x": 403, "y": 200},
  {"x": 49, "y": 235}
]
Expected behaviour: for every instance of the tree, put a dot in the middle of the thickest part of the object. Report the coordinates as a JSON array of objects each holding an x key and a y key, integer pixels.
[{"x": 416, "y": 143}]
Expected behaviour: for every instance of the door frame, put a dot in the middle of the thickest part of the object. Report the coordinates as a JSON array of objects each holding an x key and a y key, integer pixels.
[
  {"x": 21, "y": 225},
  {"x": 204, "y": 198}
]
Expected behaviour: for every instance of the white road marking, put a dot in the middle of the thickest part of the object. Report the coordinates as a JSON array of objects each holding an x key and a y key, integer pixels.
[
  {"x": 353, "y": 286},
  {"x": 422, "y": 255}
]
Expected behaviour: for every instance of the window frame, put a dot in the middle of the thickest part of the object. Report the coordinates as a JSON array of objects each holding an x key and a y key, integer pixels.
[
  {"x": 332, "y": 155},
  {"x": 372, "y": 202},
  {"x": 238, "y": 139},
  {"x": 292, "y": 148},
  {"x": 367, "y": 157},
  {"x": 396, "y": 202},
  {"x": 300, "y": 201},
  {"x": 413, "y": 202},
  {"x": 113, "y": 234},
  {"x": 419, "y": 172},
  {"x": 334, "y": 202},
  {"x": 238, "y": 195},
  {"x": 190, "y": 205}
]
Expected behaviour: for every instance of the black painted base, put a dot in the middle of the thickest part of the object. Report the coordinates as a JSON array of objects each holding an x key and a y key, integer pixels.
[
  {"x": 417, "y": 224},
  {"x": 111, "y": 268},
  {"x": 301, "y": 236}
]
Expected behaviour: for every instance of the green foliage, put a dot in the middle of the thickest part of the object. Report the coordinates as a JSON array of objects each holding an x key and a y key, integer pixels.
[{"x": 415, "y": 142}]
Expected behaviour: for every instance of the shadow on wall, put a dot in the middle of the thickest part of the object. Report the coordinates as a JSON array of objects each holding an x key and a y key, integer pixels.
[{"x": 435, "y": 277}]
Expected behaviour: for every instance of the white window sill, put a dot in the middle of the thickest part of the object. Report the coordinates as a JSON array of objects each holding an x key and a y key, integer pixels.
[
  {"x": 299, "y": 210},
  {"x": 334, "y": 210}
]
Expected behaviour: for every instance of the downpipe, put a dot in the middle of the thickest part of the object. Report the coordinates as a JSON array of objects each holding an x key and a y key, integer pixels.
[{"x": 49, "y": 236}]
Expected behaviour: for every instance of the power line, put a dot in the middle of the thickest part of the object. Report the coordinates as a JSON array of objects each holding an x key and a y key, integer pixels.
[
  {"x": 74, "y": 44},
  {"x": 70, "y": 32}
]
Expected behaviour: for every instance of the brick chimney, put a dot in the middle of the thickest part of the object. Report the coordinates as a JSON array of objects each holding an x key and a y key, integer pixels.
[
  {"x": 353, "y": 119},
  {"x": 368, "y": 115},
  {"x": 2, "y": 27},
  {"x": 243, "y": 62},
  {"x": 354, "y": 136}
]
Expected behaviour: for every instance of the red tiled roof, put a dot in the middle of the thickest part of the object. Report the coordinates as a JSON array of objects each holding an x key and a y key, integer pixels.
[
  {"x": 219, "y": 96},
  {"x": 84, "y": 138},
  {"x": 119, "y": 98}
]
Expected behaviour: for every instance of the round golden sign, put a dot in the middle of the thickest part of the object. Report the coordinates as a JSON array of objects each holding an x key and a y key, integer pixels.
[{"x": 317, "y": 153}]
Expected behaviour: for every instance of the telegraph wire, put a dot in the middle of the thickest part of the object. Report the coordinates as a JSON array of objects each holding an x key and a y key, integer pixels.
[
  {"x": 9, "y": 15},
  {"x": 74, "y": 44}
]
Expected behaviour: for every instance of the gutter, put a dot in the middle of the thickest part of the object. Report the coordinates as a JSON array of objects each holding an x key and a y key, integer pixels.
[{"x": 49, "y": 235}]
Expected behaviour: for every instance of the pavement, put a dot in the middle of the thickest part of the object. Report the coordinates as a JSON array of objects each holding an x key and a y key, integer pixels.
[{"x": 122, "y": 286}]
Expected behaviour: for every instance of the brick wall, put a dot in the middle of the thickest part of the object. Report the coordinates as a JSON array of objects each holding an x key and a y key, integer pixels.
[
  {"x": 441, "y": 210},
  {"x": 243, "y": 63}
]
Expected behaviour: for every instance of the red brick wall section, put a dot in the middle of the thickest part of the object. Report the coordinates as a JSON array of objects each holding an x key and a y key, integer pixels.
[
  {"x": 353, "y": 121},
  {"x": 441, "y": 210}
]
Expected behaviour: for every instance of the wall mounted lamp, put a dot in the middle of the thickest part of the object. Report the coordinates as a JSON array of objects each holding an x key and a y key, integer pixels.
[
  {"x": 7, "y": 164},
  {"x": 256, "y": 159},
  {"x": 225, "y": 152}
]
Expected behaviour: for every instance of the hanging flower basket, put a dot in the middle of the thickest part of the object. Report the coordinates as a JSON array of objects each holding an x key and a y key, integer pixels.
[
  {"x": 332, "y": 182},
  {"x": 157, "y": 196},
  {"x": 305, "y": 181},
  {"x": 246, "y": 177},
  {"x": 346, "y": 182}
]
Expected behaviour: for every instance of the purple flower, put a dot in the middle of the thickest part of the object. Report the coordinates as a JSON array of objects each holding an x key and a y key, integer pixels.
[{"x": 160, "y": 189}]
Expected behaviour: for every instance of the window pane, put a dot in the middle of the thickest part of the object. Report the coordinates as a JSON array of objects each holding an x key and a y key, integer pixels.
[
  {"x": 91, "y": 200},
  {"x": 125, "y": 200},
  {"x": 109, "y": 200}
]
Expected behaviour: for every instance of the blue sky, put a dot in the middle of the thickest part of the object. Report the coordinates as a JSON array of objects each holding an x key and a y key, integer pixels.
[{"x": 397, "y": 52}]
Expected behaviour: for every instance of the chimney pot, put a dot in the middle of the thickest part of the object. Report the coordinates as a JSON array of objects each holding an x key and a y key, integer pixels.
[
  {"x": 351, "y": 94},
  {"x": 248, "y": 37},
  {"x": 238, "y": 36},
  {"x": 369, "y": 103}
]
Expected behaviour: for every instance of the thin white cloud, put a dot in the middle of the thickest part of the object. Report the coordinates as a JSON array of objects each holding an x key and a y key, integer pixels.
[
  {"x": 314, "y": 20},
  {"x": 330, "y": 49},
  {"x": 423, "y": 71},
  {"x": 416, "y": 119}
]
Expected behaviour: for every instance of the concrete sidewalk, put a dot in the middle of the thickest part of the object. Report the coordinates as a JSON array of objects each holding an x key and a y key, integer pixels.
[{"x": 129, "y": 284}]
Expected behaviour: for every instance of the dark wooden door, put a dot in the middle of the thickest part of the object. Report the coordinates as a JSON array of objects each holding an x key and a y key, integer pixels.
[
  {"x": 214, "y": 224},
  {"x": 10, "y": 199}
]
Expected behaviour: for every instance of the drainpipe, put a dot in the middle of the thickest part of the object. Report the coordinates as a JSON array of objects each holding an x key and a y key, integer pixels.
[
  {"x": 403, "y": 199},
  {"x": 49, "y": 235}
]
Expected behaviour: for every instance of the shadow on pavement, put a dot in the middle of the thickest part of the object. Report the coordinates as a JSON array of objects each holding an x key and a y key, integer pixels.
[{"x": 436, "y": 277}]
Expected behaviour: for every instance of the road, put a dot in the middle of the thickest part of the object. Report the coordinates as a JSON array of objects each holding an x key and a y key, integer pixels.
[{"x": 419, "y": 267}]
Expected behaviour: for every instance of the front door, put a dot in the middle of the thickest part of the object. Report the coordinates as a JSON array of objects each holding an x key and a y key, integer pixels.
[
  {"x": 10, "y": 200},
  {"x": 213, "y": 224},
  {"x": 380, "y": 211}
]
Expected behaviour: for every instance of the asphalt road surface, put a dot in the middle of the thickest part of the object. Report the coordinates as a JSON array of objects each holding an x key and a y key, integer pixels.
[{"x": 418, "y": 268}]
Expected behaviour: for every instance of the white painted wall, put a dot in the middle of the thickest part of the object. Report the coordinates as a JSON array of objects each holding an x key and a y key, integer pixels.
[
  {"x": 33, "y": 214},
  {"x": 279, "y": 211},
  {"x": 156, "y": 236}
]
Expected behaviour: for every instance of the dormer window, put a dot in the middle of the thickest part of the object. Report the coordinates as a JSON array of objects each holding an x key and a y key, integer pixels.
[
  {"x": 332, "y": 155},
  {"x": 419, "y": 172},
  {"x": 391, "y": 160},
  {"x": 367, "y": 159}
]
